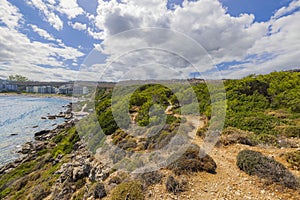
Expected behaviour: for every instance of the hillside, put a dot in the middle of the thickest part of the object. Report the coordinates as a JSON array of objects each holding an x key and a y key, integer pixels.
[{"x": 80, "y": 160}]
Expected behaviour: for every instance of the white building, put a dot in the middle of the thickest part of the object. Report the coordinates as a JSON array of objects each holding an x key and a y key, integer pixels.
[
  {"x": 80, "y": 90},
  {"x": 8, "y": 86},
  {"x": 41, "y": 89}
]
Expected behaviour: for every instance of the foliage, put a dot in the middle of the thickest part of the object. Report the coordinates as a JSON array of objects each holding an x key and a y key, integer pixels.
[
  {"x": 256, "y": 122},
  {"x": 289, "y": 131},
  {"x": 66, "y": 143},
  {"x": 255, "y": 163},
  {"x": 293, "y": 158},
  {"x": 17, "y": 78},
  {"x": 250, "y": 97},
  {"x": 175, "y": 186},
  {"x": 131, "y": 190},
  {"x": 151, "y": 178},
  {"x": 152, "y": 99},
  {"x": 191, "y": 161},
  {"x": 233, "y": 135}
]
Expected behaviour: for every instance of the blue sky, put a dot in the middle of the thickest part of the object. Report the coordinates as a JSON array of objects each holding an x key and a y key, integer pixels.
[
  {"x": 51, "y": 39},
  {"x": 263, "y": 10}
]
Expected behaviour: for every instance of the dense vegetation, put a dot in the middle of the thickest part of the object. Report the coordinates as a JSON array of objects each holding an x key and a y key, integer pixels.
[
  {"x": 251, "y": 100},
  {"x": 267, "y": 106}
]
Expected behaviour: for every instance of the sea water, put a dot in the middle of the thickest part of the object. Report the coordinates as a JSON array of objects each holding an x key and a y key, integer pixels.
[{"x": 20, "y": 118}]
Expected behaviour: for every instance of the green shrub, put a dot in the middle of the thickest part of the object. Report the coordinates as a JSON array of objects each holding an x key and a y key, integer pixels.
[
  {"x": 42, "y": 152},
  {"x": 78, "y": 195},
  {"x": 268, "y": 139},
  {"x": 97, "y": 191},
  {"x": 289, "y": 131},
  {"x": 161, "y": 139},
  {"x": 255, "y": 163},
  {"x": 175, "y": 186},
  {"x": 256, "y": 122},
  {"x": 132, "y": 190},
  {"x": 107, "y": 122},
  {"x": 293, "y": 158},
  {"x": 233, "y": 135},
  {"x": 191, "y": 161},
  {"x": 201, "y": 132},
  {"x": 151, "y": 178},
  {"x": 65, "y": 146}
]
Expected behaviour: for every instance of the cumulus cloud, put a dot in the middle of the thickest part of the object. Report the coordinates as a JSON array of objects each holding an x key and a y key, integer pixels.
[
  {"x": 37, "y": 60},
  {"x": 260, "y": 46},
  {"x": 70, "y": 8},
  {"x": 19, "y": 51},
  {"x": 204, "y": 23},
  {"x": 278, "y": 50},
  {"x": 203, "y": 34},
  {"x": 44, "y": 34},
  {"x": 78, "y": 26},
  {"x": 47, "y": 10},
  {"x": 287, "y": 9},
  {"x": 9, "y": 15}
]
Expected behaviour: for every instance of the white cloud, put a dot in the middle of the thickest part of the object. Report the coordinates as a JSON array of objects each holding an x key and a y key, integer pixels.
[
  {"x": 286, "y": 9},
  {"x": 10, "y": 15},
  {"x": 266, "y": 46},
  {"x": 282, "y": 46},
  {"x": 44, "y": 34},
  {"x": 47, "y": 9},
  {"x": 78, "y": 26},
  {"x": 17, "y": 47},
  {"x": 95, "y": 35},
  {"x": 225, "y": 38},
  {"x": 70, "y": 8},
  {"x": 52, "y": 2},
  {"x": 54, "y": 20},
  {"x": 20, "y": 55}
]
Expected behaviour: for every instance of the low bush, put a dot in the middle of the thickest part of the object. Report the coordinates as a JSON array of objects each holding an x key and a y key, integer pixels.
[
  {"x": 175, "y": 186},
  {"x": 151, "y": 178},
  {"x": 132, "y": 190},
  {"x": 255, "y": 163},
  {"x": 289, "y": 131},
  {"x": 123, "y": 140},
  {"x": 267, "y": 139},
  {"x": 201, "y": 132},
  {"x": 191, "y": 161},
  {"x": 293, "y": 158},
  {"x": 233, "y": 135},
  {"x": 97, "y": 191},
  {"x": 118, "y": 177}
]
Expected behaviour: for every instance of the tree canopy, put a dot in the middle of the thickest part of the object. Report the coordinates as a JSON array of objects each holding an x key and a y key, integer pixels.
[{"x": 17, "y": 77}]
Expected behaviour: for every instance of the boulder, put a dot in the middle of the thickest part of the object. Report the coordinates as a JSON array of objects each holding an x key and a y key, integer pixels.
[{"x": 40, "y": 133}]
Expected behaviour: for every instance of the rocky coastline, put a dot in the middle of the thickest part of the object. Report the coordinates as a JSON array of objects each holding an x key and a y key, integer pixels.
[{"x": 70, "y": 168}]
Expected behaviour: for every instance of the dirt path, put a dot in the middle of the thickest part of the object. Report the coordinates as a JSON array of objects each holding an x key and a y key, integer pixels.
[{"x": 229, "y": 182}]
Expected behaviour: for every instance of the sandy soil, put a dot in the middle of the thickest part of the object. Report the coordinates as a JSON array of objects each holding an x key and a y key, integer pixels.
[{"x": 229, "y": 182}]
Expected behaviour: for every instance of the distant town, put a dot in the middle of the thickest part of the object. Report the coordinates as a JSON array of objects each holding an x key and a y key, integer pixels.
[
  {"x": 74, "y": 88},
  {"x": 67, "y": 88}
]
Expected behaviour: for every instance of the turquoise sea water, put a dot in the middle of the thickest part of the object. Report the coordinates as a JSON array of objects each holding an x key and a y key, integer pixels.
[{"x": 19, "y": 116}]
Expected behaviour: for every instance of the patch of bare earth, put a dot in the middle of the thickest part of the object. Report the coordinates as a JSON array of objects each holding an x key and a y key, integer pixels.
[{"x": 229, "y": 182}]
